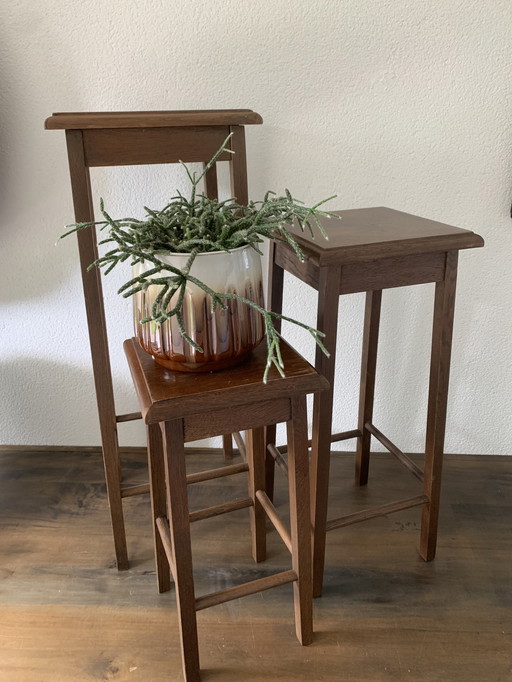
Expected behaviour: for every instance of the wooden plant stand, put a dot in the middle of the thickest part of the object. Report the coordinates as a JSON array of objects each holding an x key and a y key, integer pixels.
[
  {"x": 125, "y": 139},
  {"x": 369, "y": 250},
  {"x": 178, "y": 407}
]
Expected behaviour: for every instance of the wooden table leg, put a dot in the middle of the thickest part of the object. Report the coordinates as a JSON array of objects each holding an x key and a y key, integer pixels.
[
  {"x": 227, "y": 446},
  {"x": 255, "y": 449},
  {"x": 437, "y": 404},
  {"x": 367, "y": 385},
  {"x": 179, "y": 526},
  {"x": 158, "y": 502},
  {"x": 300, "y": 524},
  {"x": 275, "y": 303},
  {"x": 93, "y": 296},
  {"x": 327, "y": 322}
]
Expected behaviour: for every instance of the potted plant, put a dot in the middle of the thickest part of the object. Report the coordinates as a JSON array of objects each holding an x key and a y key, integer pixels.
[{"x": 196, "y": 274}]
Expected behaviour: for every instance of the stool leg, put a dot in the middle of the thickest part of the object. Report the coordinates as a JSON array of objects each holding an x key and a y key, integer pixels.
[
  {"x": 227, "y": 446},
  {"x": 367, "y": 386},
  {"x": 270, "y": 464},
  {"x": 179, "y": 526},
  {"x": 158, "y": 502},
  {"x": 437, "y": 403},
  {"x": 327, "y": 321},
  {"x": 255, "y": 445},
  {"x": 300, "y": 524}
]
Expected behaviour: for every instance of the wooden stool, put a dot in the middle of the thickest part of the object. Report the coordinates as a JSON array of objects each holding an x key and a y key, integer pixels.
[
  {"x": 127, "y": 138},
  {"x": 181, "y": 407},
  {"x": 369, "y": 250}
]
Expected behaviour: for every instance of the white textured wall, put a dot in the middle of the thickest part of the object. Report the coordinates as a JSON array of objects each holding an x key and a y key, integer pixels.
[{"x": 385, "y": 102}]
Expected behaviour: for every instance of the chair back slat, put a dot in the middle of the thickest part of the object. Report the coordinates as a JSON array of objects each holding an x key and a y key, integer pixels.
[{"x": 137, "y": 146}]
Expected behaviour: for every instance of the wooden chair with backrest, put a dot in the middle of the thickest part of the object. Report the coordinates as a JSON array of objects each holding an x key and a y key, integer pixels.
[{"x": 125, "y": 139}]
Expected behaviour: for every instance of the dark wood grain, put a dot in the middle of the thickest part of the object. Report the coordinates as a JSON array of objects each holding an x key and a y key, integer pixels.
[
  {"x": 134, "y": 146},
  {"x": 189, "y": 406},
  {"x": 69, "y": 616},
  {"x": 255, "y": 448},
  {"x": 380, "y": 232},
  {"x": 374, "y": 249},
  {"x": 164, "y": 393},
  {"x": 234, "y": 417},
  {"x": 388, "y": 273},
  {"x": 121, "y": 138},
  {"x": 151, "y": 119},
  {"x": 300, "y": 529},
  {"x": 211, "y": 186},
  {"x": 375, "y": 512},
  {"x": 367, "y": 275},
  {"x": 367, "y": 382},
  {"x": 179, "y": 528},
  {"x": 444, "y": 305},
  {"x": 93, "y": 296},
  {"x": 327, "y": 321},
  {"x": 238, "y": 165},
  {"x": 415, "y": 470},
  {"x": 158, "y": 503}
]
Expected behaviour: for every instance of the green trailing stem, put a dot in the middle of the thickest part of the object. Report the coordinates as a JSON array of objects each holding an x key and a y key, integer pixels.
[{"x": 203, "y": 225}]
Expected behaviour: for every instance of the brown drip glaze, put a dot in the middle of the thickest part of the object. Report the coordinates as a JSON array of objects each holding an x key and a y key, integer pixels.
[{"x": 226, "y": 336}]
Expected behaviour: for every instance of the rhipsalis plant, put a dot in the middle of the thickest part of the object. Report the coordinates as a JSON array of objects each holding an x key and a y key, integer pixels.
[{"x": 195, "y": 225}]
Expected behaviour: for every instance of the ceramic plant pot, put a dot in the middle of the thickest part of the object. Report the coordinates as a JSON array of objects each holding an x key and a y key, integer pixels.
[{"x": 226, "y": 336}]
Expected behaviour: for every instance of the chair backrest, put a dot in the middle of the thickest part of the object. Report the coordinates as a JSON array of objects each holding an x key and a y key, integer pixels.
[{"x": 135, "y": 138}]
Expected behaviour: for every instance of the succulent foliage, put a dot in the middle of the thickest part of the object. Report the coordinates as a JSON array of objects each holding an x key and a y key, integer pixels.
[{"x": 195, "y": 225}]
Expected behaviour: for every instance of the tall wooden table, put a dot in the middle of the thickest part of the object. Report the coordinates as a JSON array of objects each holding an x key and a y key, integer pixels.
[{"x": 369, "y": 250}]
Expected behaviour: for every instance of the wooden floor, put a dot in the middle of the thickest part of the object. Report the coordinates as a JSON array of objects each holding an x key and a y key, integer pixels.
[{"x": 67, "y": 615}]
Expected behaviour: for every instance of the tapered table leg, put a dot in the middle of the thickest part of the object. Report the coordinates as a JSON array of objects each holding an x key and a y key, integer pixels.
[
  {"x": 158, "y": 502},
  {"x": 437, "y": 404},
  {"x": 298, "y": 481},
  {"x": 367, "y": 386},
  {"x": 255, "y": 445},
  {"x": 327, "y": 322},
  {"x": 179, "y": 526}
]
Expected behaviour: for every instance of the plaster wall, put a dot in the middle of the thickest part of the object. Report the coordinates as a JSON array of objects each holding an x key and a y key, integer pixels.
[{"x": 383, "y": 102}]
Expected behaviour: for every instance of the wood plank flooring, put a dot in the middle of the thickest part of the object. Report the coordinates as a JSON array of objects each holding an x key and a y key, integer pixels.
[{"x": 67, "y": 615}]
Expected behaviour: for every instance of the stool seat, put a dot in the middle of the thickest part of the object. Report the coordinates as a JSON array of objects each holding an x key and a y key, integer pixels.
[
  {"x": 368, "y": 250},
  {"x": 168, "y": 395},
  {"x": 180, "y": 407}
]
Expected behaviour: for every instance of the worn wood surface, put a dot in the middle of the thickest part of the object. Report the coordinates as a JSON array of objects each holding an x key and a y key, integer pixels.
[{"x": 67, "y": 615}]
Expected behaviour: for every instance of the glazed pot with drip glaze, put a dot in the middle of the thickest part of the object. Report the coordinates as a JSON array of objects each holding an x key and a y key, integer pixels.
[{"x": 227, "y": 336}]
